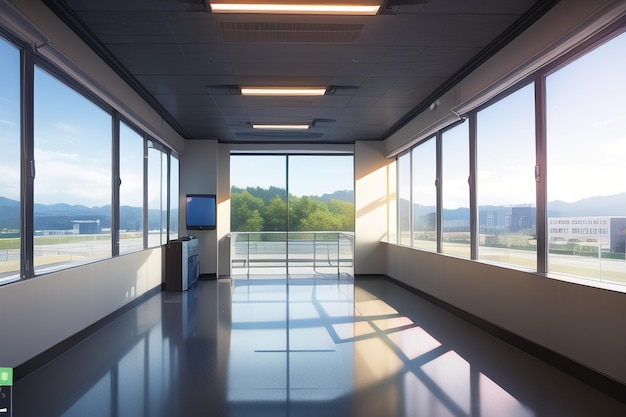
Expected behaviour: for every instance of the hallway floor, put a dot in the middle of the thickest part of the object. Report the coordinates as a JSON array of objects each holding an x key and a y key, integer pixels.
[{"x": 299, "y": 347}]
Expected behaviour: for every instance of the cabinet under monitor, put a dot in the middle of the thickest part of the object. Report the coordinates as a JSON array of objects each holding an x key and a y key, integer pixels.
[{"x": 182, "y": 266}]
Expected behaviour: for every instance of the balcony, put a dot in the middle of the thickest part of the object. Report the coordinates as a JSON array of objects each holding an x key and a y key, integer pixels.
[{"x": 294, "y": 253}]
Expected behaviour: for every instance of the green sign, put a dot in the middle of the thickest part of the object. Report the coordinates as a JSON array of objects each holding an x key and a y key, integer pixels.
[{"x": 6, "y": 377}]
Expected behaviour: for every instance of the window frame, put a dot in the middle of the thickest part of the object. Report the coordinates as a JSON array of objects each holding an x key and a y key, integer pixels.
[{"x": 538, "y": 78}]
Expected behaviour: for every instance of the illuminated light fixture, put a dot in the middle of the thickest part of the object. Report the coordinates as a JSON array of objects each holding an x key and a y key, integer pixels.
[
  {"x": 283, "y": 91},
  {"x": 280, "y": 126},
  {"x": 287, "y": 7}
]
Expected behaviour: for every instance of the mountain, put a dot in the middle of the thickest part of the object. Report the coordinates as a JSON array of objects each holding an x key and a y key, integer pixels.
[
  {"x": 608, "y": 205},
  {"x": 342, "y": 195}
]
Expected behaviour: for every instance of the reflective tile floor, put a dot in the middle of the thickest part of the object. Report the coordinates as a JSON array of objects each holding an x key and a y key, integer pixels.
[{"x": 302, "y": 347}]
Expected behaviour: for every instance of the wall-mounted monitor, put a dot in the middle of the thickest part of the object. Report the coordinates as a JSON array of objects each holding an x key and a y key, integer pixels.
[{"x": 201, "y": 212}]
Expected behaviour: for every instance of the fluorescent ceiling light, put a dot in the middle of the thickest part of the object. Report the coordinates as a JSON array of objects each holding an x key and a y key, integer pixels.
[
  {"x": 356, "y": 9},
  {"x": 283, "y": 91},
  {"x": 280, "y": 126}
]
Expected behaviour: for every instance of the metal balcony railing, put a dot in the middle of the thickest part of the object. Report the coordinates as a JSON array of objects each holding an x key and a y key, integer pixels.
[{"x": 315, "y": 250}]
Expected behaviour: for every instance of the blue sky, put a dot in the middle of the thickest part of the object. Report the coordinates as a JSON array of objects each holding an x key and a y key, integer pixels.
[{"x": 309, "y": 175}]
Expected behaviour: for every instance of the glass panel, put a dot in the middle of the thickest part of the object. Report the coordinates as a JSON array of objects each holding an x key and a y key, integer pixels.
[
  {"x": 156, "y": 224},
  {"x": 586, "y": 140},
  {"x": 174, "y": 198},
  {"x": 258, "y": 214},
  {"x": 505, "y": 177},
  {"x": 424, "y": 162},
  {"x": 72, "y": 189},
  {"x": 391, "y": 172},
  {"x": 321, "y": 213},
  {"x": 455, "y": 191},
  {"x": 164, "y": 197},
  {"x": 10, "y": 162},
  {"x": 131, "y": 190},
  {"x": 404, "y": 199}
]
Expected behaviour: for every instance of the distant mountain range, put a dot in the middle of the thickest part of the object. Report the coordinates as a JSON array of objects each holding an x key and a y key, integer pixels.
[
  {"x": 611, "y": 205},
  {"x": 60, "y": 216}
]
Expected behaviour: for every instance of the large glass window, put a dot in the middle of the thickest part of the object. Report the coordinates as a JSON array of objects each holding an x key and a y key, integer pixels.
[
  {"x": 404, "y": 199},
  {"x": 424, "y": 207},
  {"x": 258, "y": 214},
  {"x": 72, "y": 189},
  {"x": 174, "y": 198},
  {"x": 131, "y": 190},
  {"x": 9, "y": 162},
  {"x": 295, "y": 214},
  {"x": 72, "y": 175},
  {"x": 157, "y": 195},
  {"x": 586, "y": 140},
  {"x": 455, "y": 191},
  {"x": 505, "y": 176}
]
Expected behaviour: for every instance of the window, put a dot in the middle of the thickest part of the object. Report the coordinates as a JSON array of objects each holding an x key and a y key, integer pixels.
[
  {"x": 505, "y": 178},
  {"x": 72, "y": 188},
  {"x": 10, "y": 162},
  {"x": 455, "y": 191},
  {"x": 157, "y": 195},
  {"x": 174, "y": 198},
  {"x": 72, "y": 146},
  {"x": 131, "y": 190},
  {"x": 404, "y": 199},
  {"x": 424, "y": 204},
  {"x": 285, "y": 219},
  {"x": 586, "y": 160}
]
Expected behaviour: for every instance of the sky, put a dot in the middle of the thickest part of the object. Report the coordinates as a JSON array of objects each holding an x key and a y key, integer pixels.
[
  {"x": 308, "y": 174},
  {"x": 586, "y": 142}
]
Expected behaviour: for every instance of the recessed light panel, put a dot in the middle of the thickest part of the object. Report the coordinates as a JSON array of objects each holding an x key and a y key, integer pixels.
[
  {"x": 283, "y": 91},
  {"x": 280, "y": 126},
  {"x": 349, "y": 7}
]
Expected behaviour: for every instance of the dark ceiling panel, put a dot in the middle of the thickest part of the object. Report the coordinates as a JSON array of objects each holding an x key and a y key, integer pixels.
[{"x": 189, "y": 63}]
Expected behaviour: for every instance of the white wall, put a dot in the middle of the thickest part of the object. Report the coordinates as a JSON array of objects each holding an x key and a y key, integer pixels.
[
  {"x": 38, "y": 313},
  {"x": 373, "y": 200},
  {"x": 223, "y": 210},
  {"x": 198, "y": 175},
  {"x": 582, "y": 323}
]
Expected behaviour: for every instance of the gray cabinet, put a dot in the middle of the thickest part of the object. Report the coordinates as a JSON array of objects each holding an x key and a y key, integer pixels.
[{"x": 182, "y": 266}]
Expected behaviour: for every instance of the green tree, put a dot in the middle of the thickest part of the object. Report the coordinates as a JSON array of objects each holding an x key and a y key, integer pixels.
[
  {"x": 245, "y": 213},
  {"x": 300, "y": 208},
  {"x": 275, "y": 215},
  {"x": 254, "y": 223},
  {"x": 345, "y": 212},
  {"x": 321, "y": 220},
  {"x": 256, "y": 209}
]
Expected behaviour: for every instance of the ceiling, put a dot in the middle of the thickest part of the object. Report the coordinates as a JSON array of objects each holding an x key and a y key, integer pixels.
[{"x": 380, "y": 70}]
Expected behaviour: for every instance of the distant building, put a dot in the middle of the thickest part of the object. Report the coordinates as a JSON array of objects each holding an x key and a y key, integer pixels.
[
  {"x": 609, "y": 232},
  {"x": 523, "y": 218}
]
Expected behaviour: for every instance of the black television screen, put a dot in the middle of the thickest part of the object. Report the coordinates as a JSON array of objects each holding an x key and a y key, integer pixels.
[{"x": 201, "y": 211}]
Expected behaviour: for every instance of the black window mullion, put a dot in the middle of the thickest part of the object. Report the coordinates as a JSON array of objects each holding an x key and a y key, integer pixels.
[
  {"x": 541, "y": 174},
  {"x": 168, "y": 193},
  {"x": 145, "y": 192},
  {"x": 115, "y": 185},
  {"x": 27, "y": 164},
  {"x": 439, "y": 192},
  {"x": 473, "y": 164}
]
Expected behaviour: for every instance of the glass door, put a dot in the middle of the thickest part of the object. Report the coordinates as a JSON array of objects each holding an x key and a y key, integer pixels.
[
  {"x": 292, "y": 214},
  {"x": 258, "y": 214},
  {"x": 321, "y": 214}
]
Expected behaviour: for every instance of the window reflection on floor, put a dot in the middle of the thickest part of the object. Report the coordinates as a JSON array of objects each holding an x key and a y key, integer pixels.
[{"x": 307, "y": 341}]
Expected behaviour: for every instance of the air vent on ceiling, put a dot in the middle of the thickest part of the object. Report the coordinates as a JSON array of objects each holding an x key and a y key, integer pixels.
[{"x": 290, "y": 32}]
